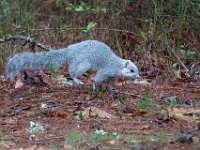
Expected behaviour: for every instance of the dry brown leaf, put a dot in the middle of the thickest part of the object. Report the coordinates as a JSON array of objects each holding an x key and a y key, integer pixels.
[
  {"x": 96, "y": 112},
  {"x": 7, "y": 144},
  {"x": 68, "y": 146},
  {"x": 19, "y": 83},
  {"x": 143, "y": 82},
  {"x": 139, "y": 113},
  {"x": 112, "y": 142},
  {"x": 41, "y": 148},
  {"x": 61, "y": 114},
  {"x": 191, "y": 114},
  {"x": 34, "y": 147}
]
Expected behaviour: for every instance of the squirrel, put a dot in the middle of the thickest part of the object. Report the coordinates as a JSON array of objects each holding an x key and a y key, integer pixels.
[{"x": 80, "y": 57}]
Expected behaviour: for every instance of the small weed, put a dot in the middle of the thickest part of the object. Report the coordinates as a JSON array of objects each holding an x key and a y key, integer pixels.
[
  {"x": 97, "y": 91},
  {"x": 54, "y": 69},
  {"x": 147, "y": 103},
  {"x": 172, "y": 101},
  {"x": 101, "y": 138},
  {"x": 89, "y": 28},
  {"x": 92, "y": 92},
  {"x": 84, "y": 7},
  {"x": 35, "y": 127},
  {"x": 75, "y": 138},
  {"x": 191, "y": 54},
  {"x": 106, "y": 89},
  {"x": 160, "y": 135},
  {"x": 1, "y": 137},
  {"x": 45, "y": 97},
  {"x": 147, "y": 138},
  {"x": 79, "y": 116}
]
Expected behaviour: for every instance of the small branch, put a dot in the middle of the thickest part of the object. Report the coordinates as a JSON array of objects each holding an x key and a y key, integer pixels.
[
  {"x": 179, "y": 60},
  {"x": 26, "y": 39},
  {"x": 82, "y": 28}
]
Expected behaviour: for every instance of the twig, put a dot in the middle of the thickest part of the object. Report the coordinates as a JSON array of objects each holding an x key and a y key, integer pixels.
[
  {"x": 182, "y": 64},
  {"x": 82, "y": 28},
  {"x": 26, "y": 39}
]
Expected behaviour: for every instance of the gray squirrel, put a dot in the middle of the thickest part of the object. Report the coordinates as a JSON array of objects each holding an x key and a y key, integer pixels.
[{"x": 80, "y": 57}]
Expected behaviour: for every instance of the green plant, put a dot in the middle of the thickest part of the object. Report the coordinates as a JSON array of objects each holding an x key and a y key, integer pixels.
[
  {"x": 100, "y": 137},
  {"x": 79, "y": 116},
  {"x": 59, "y": 3},
  {"x": 45, "y": 97},
  {"x": 191, "y": 54},
  {"x": 147, "y": 103},
  {"x": 93, "y": 92},
  {"x": 85, "y": 7},
  {"x": 2, "y": 137},
  {"x": 75, "y": 138},
  {"x": 160, "y": 135},
  {"x": 35, "y": 127},
  {"x": 89, "y": 28},
  {"x": 54, "y": 69},
  {"x": 172, "y": 101}
]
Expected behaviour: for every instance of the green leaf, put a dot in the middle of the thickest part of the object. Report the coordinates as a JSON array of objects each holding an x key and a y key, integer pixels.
[
  {"x": 54, "y": 69},
  {"x": 174, "y": 65},
  {"x": 59, "y": 3},
  {"x": 90, "y": 27},
  {"x": 172, "y": 101},
  {"x": 191, "y": 54},
  {"x": 2, "y": 53},
  {"x": 178, "y": 74},
  {"x": 142, "y": 34},
  {"x": 79, "y": 9},
  {"x": 198, "y": 6}
]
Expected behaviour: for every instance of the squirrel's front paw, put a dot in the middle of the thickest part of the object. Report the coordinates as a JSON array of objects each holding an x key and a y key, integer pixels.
[
  {"x": 94, "y": 86},
  {"x": 77, "y": 81}
]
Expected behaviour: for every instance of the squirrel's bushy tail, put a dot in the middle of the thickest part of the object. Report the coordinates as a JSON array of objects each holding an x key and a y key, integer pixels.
[{"x": 31, "y": 61}]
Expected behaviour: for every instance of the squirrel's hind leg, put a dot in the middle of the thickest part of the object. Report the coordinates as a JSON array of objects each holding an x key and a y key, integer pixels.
[{"x": 77, "y": 70}]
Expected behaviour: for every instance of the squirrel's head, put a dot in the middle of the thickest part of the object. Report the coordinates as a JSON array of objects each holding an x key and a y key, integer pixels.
[{"x": 130, "y": 70}]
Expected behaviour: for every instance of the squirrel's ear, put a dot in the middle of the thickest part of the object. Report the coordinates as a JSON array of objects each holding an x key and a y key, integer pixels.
[{"x": 127, "y": 63}]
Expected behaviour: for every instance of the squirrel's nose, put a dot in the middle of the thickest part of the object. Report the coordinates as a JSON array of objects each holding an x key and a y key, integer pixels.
[{"x": 136, "y": 76}]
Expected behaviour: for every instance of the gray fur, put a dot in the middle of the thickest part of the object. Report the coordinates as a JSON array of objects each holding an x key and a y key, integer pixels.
[{"x": 79, "y": 57}]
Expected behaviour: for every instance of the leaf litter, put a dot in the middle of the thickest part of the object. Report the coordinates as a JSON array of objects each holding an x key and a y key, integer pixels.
[{"x": 101, "y": 111}]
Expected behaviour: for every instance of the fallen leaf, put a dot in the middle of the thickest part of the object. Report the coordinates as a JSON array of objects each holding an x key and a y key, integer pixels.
[
  {"x": 61, "y": 114},
  {"x": 3, "y": 78},
  {"x": 19, "y": 109},
  {"x": 191, "y": 114},
  {"x": 68, "y": 146},
  {"x": 139, "y": 113},
  {"x": 195, "y": 140},
  {"x": 198, "y": 125},
  {"x": 128, "y": 110},
  {"x": 41, "y": 148},
  {"x": 34, "y": 147},
  {"x": 160, "y": 119},
  {"x": 113, "y": 142},
  {"x": 7, "y": 144},
  {"x": 184, "y": 138},
  {"x": 62, "y": 80},
  {"x": 35, "y": 76},
  {"x": 96, "y": 112},
  {"x": 143, "y": 82},
  {"x": 19, "y": 83}
]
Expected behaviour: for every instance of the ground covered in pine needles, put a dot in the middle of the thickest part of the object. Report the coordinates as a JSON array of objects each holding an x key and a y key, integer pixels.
[{"x": 155, "y": 115}]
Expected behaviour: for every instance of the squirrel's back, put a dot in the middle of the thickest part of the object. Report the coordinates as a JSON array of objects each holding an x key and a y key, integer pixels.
[{"x": 96, "y": 53}]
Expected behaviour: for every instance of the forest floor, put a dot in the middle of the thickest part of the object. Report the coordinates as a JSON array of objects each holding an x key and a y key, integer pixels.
[{"x": 159, "y": 115}]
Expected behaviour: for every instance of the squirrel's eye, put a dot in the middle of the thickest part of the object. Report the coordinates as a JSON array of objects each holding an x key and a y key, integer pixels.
[{"x": 132, "y": 70}]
